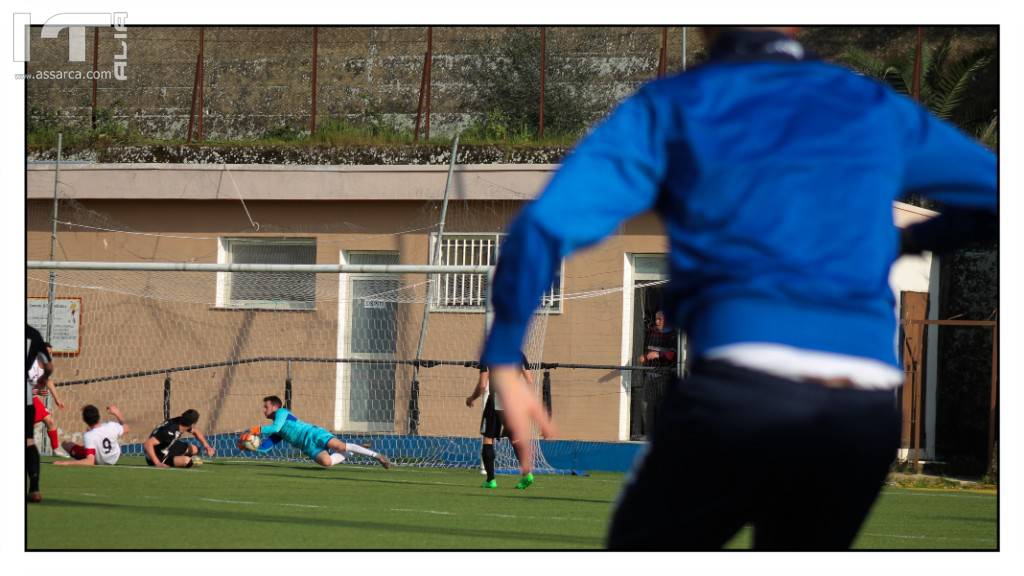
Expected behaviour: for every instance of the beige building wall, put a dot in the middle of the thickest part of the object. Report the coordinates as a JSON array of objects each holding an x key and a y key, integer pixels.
[
  {"x": 180, "y": 325},
  {"x": 178, "y": 213}
]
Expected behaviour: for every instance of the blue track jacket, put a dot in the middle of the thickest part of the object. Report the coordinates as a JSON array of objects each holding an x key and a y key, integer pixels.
[{"x": 775, "y": 176}]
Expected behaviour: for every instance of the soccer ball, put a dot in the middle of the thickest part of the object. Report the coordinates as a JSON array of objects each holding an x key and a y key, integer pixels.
[{"x": 250, "y": 442}]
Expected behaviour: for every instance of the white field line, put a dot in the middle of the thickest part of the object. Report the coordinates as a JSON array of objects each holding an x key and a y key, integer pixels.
[
  {"x": 438, "y": 512},
  {"x": 923, "y": 537},
  {"x": 435, "y": 483},
  {"x": 515, "y": 517},
  {"x": 128, "y": 467},
  {"x": 317, "y": 506},
  {"x": 219, "y": 501},
  {"x": 370, "y": 467},
  {"x": 507, "y": 516}
]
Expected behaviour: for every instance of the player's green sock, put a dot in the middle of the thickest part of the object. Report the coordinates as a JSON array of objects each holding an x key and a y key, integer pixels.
[
  {"x": 525, "y": 482},
  {"x": 489, "y": 484}
]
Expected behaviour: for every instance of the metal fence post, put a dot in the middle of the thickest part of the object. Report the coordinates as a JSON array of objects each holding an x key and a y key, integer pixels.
[
  {"x": 312, "y": 113},
  {"x": 543, "y": 75},
  {"x": 424, "y": 87},
  {"x": 51, "y": 293},
  {"x": 915, "y": 90},
  {"x": 202, "y": 81},
  {"x": 95, "y": 68},
  {"x": 414, "y": 408},
  {"x": 288, "y": 386},
  {"x": 663, "y": 53},
  {"x": 546, "y": 391},
  {"x": 167, "y": 397},
  {"x": 430, "y": 67},
  {"x": 684, "y": 48},
  {"x": 197, "y": 91},
  {"x": 994, "y": 396}
]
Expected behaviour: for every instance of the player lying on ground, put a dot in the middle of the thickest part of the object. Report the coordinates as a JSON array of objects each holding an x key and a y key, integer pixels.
[
  {"x": 99, "y": 443},
  {"x": 39, "y": 387},
  {"x": 492, "y": 427},
  {"x": 165, "y": 448},
  {"x": 320, "y": 445}
]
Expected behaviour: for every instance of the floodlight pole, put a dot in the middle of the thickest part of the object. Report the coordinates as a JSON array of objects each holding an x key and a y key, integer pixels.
[
  {"x": 435, "y": 255},
  {"x": 52, "y": 293}
]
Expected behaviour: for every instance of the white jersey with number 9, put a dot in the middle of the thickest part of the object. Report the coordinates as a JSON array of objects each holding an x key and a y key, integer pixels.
[{"x": 102, "y": 440}]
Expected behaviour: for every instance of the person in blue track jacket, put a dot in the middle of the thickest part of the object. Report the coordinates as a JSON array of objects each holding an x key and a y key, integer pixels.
[{"x": 775, "y": 176}]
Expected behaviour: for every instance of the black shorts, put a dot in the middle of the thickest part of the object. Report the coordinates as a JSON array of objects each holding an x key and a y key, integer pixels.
[
  {"x": 726, "y": 421},
  {"x": 30, "y": 418},
  {"x": 176, "y": 449},
  {"x": 492, "y": 424}
]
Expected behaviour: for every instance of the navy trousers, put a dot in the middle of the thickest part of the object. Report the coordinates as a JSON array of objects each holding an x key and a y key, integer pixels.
[{"x": 801, "y": 462}]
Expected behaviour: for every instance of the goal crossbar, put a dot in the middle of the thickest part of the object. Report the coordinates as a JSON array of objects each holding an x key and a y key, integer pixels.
[{"x": 286, "y": 268}]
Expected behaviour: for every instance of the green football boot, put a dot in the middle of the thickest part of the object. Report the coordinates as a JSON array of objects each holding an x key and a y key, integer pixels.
[
  {"x": 491, "y": 484},
  {"x": 525, "y": 482}
]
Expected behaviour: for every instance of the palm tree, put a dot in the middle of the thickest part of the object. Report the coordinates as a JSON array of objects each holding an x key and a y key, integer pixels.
[{"x": 962, "y": 89}]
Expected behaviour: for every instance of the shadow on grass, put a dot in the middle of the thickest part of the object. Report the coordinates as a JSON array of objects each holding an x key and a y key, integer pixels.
[
  {"x": 244, "y": 516},
  {"x": 338, "y": 476},
  {"x": 283, "y": 466},
  {"x": 306, "y": 467},
  {"x": 533, "y": 496},
  {"x": 472, "y": 487}
]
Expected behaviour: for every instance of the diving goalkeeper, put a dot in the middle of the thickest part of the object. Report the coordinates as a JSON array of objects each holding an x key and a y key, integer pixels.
[{"x": 320, "y": 445}]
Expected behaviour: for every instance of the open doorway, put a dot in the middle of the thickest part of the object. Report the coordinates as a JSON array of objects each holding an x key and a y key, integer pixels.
[{"x": 655, "y": 343}]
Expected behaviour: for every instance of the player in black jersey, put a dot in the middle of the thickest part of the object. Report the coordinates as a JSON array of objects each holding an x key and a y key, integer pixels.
[
  {"x": 35, "y": 349},
  {"x": 166, "y": 448},
  {"x": 492, "y": 426}
]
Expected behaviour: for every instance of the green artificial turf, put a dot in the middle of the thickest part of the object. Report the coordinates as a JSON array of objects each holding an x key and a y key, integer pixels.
[{"x": 265, "y": 505}]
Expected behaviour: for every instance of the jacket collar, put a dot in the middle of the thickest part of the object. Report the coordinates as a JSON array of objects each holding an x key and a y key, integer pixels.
[{"x": 757, "y": 45}]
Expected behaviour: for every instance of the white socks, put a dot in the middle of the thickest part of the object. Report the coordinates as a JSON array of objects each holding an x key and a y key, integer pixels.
[
  {"x": 360, "y": 450},
  {"x": 339, "y": 457}
]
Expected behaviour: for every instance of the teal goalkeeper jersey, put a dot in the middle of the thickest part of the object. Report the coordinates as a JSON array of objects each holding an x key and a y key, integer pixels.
[{"x": 289, "y": 428}]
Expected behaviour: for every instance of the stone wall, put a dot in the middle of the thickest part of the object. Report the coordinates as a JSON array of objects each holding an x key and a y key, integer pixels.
[{"x": 258, "y": 79}]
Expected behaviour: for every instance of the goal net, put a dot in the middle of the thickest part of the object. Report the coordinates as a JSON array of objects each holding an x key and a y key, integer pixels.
[{"x": 343, "y": 351}]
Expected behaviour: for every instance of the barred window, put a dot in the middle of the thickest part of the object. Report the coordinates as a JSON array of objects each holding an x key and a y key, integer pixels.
[
  {"x": 267, "y": 290},
  {"x": 467, "y": 292}
]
